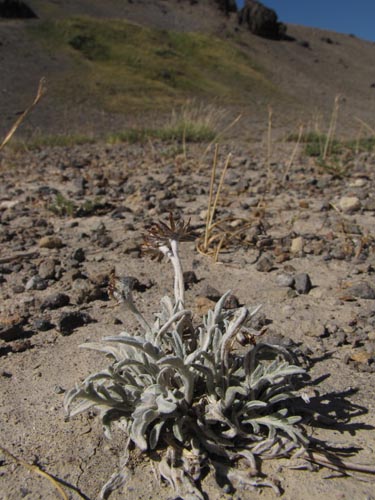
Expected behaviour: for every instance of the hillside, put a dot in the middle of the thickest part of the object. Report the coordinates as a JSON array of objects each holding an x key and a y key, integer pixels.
[{"x": 116, "y": 65}]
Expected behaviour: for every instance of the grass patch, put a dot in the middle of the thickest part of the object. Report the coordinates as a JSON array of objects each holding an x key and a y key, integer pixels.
[
  {"x": 314, "y": 143},
  {"x": 134, "y": 135},
  {"x": 338, "y": 156},
  {"x": 192, "y": 122},
  {"x": 125, "y": 66},
  {"x": 43, "y": 141}
]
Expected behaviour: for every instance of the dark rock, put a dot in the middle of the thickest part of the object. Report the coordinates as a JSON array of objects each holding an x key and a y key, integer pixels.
[
  {"x": 85, "y": 292},
  {"x": 71, "y": 320},
  {"x": 265, "y": 264},
  {"x": 42, "y": 325},
  {"x": 55, "y": 301},
  {"x": 18, "y": 289},
  {"x": 22, "y": 345},
  {"x": 227, "y": 6},
  {"x": 326, "y": 39},
  {"x": 11, "y": 328},
  {"x": 362, "y": 291},
  {"x": 47, "y": 191},
  {"x": 210, "y": 292},
  {"x": 304, "y": 43},
  {"x": 15, "y": 9},
  {"x": 79, "y": 255},
  {"x": 190, "y": 278},
  {"x": 302, "y": 283},
  {"x": 261, "y": 20},
  {"x": 231, "y": 302}
]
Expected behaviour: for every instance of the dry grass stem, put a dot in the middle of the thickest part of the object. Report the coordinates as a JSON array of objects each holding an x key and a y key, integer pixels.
[
  {"x": 294, "y": 152},
  {"x": 269, "y": 143},
  {"x": 212, "y": 206},
  {"x": 42, "y": 88},
  {"x": 366, "y": 126},
  {"x": 210, "y": 196},
  {"x": 36, "y": 470},
  {"x": 332, "y": 128},
  {"x": 218, "y": 136}
]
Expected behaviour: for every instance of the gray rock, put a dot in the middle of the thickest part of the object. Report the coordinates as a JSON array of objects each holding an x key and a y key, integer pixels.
[
  {"x": 302, "y": 283},
  {"x": 362, "y": 291},
  {"x": 264, "y": 264},
  {"x": 36, "y": 283},
  {"x": 312, "y": 328},
  {"x": 84, "y": 291},
  {"x": 55, "y": 301},
  {"x": 285, "y": 280},
  {"x": 47, "y": 269},
  {"x": 210, "y": 292},
  {"x": 369, "y": 204}
]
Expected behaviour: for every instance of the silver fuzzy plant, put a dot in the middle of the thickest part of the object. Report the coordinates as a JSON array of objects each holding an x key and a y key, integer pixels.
[{"x": 192, "y": 394}]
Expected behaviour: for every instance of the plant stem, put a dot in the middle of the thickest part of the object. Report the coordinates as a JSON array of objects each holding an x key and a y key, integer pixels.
[{"x": 179, "y": 288}]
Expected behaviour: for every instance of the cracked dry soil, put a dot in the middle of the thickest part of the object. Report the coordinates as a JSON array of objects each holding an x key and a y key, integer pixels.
[{"x": 69, "y": 216}]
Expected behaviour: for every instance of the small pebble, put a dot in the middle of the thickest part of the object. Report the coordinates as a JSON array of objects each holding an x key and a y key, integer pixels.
[
  {"x": 297, "y": 244},
  {"x": 42, "y": 325},
  {"x": 349, "y": 204},
  {"x": 265, "y": 264},
  {"x": 50, "y": 242},
  {"x": 47, "y": 269}
]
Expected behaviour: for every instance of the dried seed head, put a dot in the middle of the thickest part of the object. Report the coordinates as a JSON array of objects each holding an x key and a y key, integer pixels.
[{"x": 161, "y": 233}]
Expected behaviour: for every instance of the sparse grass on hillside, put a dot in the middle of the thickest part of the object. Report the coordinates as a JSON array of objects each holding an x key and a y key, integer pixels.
[
  {"x": 340, "y": 151},
  {"x": 40, "y": 141},
  {"x": 191, "y": 122},
  {"x": 124, "y": 66}
]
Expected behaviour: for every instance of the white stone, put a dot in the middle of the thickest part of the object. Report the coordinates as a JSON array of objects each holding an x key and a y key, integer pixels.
[
  {"x": 297, "y": 244},
  {"x": 349, "y": 203}
]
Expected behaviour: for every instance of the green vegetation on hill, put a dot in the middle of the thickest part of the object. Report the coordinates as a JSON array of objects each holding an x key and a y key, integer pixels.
[{"x": 124, "y": 66}]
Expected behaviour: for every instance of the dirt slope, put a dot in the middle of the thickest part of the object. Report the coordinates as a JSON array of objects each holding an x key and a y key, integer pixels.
[{"x": 306, "y": 74}]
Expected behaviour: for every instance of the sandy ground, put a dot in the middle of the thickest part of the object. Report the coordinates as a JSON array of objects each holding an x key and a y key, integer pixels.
[{"x": 99, "y": 199}]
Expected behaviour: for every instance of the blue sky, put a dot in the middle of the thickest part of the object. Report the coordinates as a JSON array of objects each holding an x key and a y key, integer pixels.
[{"x": 345, "y": 16}]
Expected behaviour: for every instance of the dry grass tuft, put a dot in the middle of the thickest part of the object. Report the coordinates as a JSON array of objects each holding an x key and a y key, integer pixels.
[{"x": 42, "y": 88}]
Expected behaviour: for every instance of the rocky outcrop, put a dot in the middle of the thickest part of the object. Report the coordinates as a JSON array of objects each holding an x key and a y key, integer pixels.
[
  {"x": 227, "y": 6},
  {"x": 261, "y": 20},
  {"x": 14, "y": 9}
]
